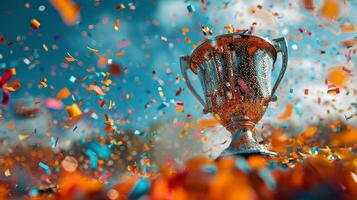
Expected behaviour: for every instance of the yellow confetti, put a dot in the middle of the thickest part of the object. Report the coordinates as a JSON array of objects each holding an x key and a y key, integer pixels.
[
  {"x": 44, "y": 46},
  {"x": 23, "y": 137},
  {"x": 7, "y": 172},
  {"x": 35, "y": 24}
]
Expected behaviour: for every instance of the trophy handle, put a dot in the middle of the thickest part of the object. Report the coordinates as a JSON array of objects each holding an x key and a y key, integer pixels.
[
  {"x": 280, "y": 45},
  {"x": 185, "y": 65}
]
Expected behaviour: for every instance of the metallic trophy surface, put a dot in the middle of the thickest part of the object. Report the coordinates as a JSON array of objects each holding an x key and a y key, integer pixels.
[{"x": 235, "y": 74}]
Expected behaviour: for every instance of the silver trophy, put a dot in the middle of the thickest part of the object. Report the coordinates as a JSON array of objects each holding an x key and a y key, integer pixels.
[{"x": 235, "y": 73}]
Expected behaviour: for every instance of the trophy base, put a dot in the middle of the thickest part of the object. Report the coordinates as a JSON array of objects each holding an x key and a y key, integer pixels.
[{"x": 244, "y": 144}]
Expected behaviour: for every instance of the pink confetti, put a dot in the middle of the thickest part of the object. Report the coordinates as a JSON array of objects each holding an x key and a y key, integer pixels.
[
  {"x": 178, "y": 124},
  {"x": 123, "y": 43},
  {"x": 53, "y": 104}
]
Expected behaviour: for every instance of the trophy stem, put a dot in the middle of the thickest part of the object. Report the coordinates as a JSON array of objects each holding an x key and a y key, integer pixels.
[{"x": 244, "y": 144}]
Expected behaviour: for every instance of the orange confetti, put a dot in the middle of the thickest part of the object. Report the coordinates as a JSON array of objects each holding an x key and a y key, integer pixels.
[
  {"x": 308, "y": 133},
  {"x": 337, "y": 77},
  {"x": 349, "y": 42},
  {"x": 68, "y": 10},
  {"x": 347, "y": 137},
  {"x": 13, "y": 86},
  {"x": 120, "y": 6},
  {"x": 117, "y": 24},
  {"x": 309, "y": 4},
  {"x": 287, "y": 112},
  {"x": 257, "y": 162},
  {"x": 207, "y": 123},
  {"x": 63, "y": 94},
  {"x": 330, "y": 9},
  {"x": 94, "y": 50},
  {"x": 348, "y": 28},
  {"x": 96, "y": 89},
  {"x": 180, "y": 109},
  {"x": 120, "y": 53},
  {"x": 102, "y": 61},
  {"x": 77, "y": 182},
  {"x": 73, "y": 111},
  {"x": 35, "y": 24},
  {"x": 70, "y": 58}
]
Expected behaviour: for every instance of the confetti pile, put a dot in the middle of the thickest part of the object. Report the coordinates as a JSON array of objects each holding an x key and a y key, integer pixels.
[{"x": 94, "y": 106}]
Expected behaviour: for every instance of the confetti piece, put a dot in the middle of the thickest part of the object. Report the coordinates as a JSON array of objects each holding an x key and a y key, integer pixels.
[
  {"x": 63, "y": 93},
  {"x": 348, "y": 28},
  {"x": 306, "y": 91},
  {"x": 23, "y": 137},
  {"x": 141, "y": 187},
  {"x": 13, "y": 86},
  {"x": 120, "y": 53},
  {"x": 96, "y": 89},
  {"x": 178, "y": 124},
  {"x": 45, "y": 167},
  {"x": 43, "y": 82},
  {"x": 207, "y": 123},
  {"x": 115, "y": 69},
  {"x": 337, "y": 77},
  {"x": 287, "y": 112},
  {"x": 330, "y": 9},
  {"x": 35, "y": 24},
  {"x": 117, "y": 24},
  {"x": 68, "y": 10},
  {"x": 123, "y": 44},
  {"x": 93, "y": 50},
  {"x": 333, "y": 91},
  {"x": 349, "y": 42},
  {"x": 163, "y": 38},
  {"x": 102, "y": 61},
  {"x": 72, "y": 79},
  {"x": 191, "y": 8},
  {"x": 53, "y": 104},
  {"x": 308, "y": 133},
  {"x": 120, "y": 6},
  {"x": 4, "y": 79},
  {"x": 256, "y": 162},
  {"x": 70, "y": 58},
  {"x": 44, "y": 46},
  {"x": 73, "y": 111},
  {"x": 309, "y": 4},
  {"x": 7, "y": 172}
]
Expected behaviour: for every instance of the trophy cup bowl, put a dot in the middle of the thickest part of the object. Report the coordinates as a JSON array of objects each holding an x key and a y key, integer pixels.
[{"x": 235, "y": 74}]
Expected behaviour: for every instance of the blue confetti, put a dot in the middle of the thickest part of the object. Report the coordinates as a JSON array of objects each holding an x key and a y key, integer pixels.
[
  {"x": 242, "y": 164},
  {"x": 45, "y": 167},
  {"x": 141, "y": 187},
  {"x": 100, "y": 149},
  {"x": 93, "y": 158},
  {"x": 268, "y": 178},
  {"x": 191, "y": 8}
]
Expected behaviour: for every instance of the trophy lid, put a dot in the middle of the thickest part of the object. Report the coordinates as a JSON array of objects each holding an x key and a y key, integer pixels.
[{"x": 222, "y": 42}]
